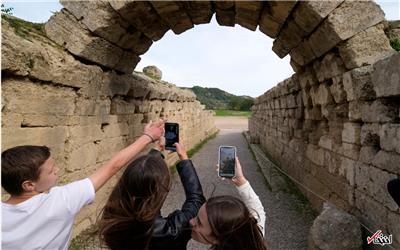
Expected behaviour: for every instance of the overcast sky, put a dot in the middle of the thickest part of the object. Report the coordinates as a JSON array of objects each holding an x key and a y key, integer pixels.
[{"x": 234, "y": 59}]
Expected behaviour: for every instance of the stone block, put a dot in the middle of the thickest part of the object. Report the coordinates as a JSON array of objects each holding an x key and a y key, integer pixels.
[
  {"x": 358, "y": 85},
  {"x": 386, "y": 77},
  {"x": 225, "y": 17},
  {"x": 302, "y": 54},
  {"x": 388, "y": 161},
  {"x": 379, "y": 111},
  {"x": 81, "y": 157},
  {"x": 53, "y": 137},
  {"x": 325, "y": 142},
  {"x": 344, "y": 22},
  {"x": 374, "y": 181},
  {"x": 372, "y": 213},
  {"x": 351, "y": 133},
  {"x": 80, "y": 135},
  {"x": 367, "y": 154},
  {"x": 337, "y": 89},
  {"x": 99, "y": 17},
  {"x": 41, "y": 99},
  {"x": 11, "y": 120},
  {"x": 64, "y": 29},
  {"x": 355, "y": 111},
  {"x": 308, "y": 15},
  {"x": 199, "y": 11},
  {"x": 315, "y": 154},
  {"x": 92, "y": 107},
  {"x": 173, "y": 15},
  {"x": 365, "y": 48},
  {"x": 313, "y": 113},
  {"x": 267, "y": 24},
  {"x": 306, "y": 98},
  {"x": 389, "y": 136},
  {"x": 330, "y": 66},
  {"x": 142, "y": 16},
  {"x": 43, "y": 60},
  {"x": 351, "y": 151},
  {"x": 289, "y": 37},
  {"x": 108, "y": 147},
  {"x": 248, "y": 13},
  {"x": 323, "y": 96},
  {"x": 307, "y": 78},
  {"x": 370, "y": 134},
  {"x": 347, "y": 169},
  {"x": 280, "y": 10}
]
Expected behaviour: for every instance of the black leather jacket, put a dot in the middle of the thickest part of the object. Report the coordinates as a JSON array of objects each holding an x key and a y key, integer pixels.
[{"x": 173, "y": 232}]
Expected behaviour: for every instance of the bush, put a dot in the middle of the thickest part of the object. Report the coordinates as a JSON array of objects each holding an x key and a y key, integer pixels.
[{"x": 395, "y": 43}]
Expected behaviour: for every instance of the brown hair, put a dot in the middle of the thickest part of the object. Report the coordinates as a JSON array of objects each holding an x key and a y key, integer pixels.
[
  {"x": 21, "y": 163},
  {"x": 129, "y": 214},
  {"x": 232, "y": 225}
]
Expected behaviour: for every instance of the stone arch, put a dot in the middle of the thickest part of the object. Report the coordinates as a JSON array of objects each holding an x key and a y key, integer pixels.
[{"x": 114, "y": 34}]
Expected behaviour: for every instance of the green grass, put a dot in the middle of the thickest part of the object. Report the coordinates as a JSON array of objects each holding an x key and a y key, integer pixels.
[
  {"x": 196, "y": 148},
  {"x": 225, "y": 112},
  {"x": 395, "y": 43},
  {"x": 22, "y": 27}
]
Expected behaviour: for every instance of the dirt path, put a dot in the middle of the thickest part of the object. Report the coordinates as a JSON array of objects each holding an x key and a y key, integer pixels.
[{"x": 286, "y": 227}]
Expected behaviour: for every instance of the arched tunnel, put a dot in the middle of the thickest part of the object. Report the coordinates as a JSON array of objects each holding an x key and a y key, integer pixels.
[{"x": 334, "y": 125}]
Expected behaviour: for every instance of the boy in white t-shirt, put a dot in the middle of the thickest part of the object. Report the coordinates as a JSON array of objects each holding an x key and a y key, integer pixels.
[{"x": 33, "y": 218}]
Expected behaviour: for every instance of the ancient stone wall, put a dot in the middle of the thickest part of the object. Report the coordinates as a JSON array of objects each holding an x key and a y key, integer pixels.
[
  {"x": 82, "y": 112},
  {"x": 337, "y": 131}
]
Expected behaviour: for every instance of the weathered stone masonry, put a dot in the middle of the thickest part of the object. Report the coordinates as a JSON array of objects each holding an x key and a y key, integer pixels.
[
  {"x": 83, "y": 113},
  {"x": 335, "y": 125}
]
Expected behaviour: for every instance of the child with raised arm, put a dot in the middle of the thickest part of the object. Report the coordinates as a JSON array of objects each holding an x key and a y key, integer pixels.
[{"x": 40, "y": 215}]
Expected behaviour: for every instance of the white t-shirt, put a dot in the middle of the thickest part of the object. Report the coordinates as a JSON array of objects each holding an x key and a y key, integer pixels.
[{"x": 45, "y": 221}]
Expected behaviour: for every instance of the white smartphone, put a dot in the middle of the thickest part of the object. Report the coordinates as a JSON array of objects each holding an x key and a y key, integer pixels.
[{"x": 227, "y": 161}]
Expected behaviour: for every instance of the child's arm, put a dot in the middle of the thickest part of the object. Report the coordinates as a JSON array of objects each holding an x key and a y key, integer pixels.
[{"x": 152, "y": 132}]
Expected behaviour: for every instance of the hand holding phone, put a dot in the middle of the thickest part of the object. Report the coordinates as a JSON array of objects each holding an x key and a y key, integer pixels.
[
  {"x": 227, "y": 161},
  {"x": 171, "y": 135}
]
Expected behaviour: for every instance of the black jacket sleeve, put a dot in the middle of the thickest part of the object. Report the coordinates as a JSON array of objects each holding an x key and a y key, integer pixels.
[{"x": 173, "y": 232}]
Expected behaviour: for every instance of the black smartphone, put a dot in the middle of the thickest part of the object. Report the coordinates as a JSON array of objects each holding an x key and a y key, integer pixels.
[
  {"x": 171, "y": 135},
  {"x": 226, "y": 161}
]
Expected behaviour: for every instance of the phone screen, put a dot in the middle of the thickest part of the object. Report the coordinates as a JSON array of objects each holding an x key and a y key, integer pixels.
[
  {"x": 227, "y": 156},
  {"x": 171, "y": 135}
]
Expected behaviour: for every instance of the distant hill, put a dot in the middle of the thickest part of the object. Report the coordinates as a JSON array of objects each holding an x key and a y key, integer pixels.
[{"x": 215, "y": 98}]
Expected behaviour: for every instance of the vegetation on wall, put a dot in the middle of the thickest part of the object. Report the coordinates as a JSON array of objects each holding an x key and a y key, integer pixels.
[{"x": 393, "y": 32}]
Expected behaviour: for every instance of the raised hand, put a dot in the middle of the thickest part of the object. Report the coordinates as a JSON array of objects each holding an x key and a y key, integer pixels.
[
  {"x": 181, "y": 151},
  {"x": 154, "y": 130}
]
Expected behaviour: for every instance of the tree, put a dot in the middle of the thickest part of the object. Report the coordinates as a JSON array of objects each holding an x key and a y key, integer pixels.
[{"x": 5, "y": 10}]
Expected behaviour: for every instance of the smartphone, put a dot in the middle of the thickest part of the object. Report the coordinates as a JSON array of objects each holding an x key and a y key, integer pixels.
[
  {"x": 171, "y": 135},
  {"x": 227, "y": 161}
]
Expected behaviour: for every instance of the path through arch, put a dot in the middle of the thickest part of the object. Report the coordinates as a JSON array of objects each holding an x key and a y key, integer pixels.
[{"x": 286, "y": 227}]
